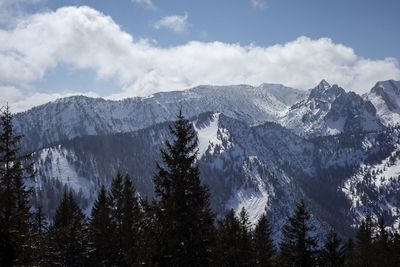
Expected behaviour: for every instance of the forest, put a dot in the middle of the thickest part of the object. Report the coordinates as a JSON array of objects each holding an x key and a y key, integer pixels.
[{"x": 176, "y": 228}]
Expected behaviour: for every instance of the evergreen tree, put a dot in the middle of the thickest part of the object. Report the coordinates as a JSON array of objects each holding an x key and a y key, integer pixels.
[
  {"x": 116, "y": 205},
  {"x": 364, "y": 253},
  {"x": 263, "y": 244},
  {"x": 229, "y": 241},
  {"x": 245, "y": 241},
  {"x": 125, "y": 221},
  {"x": 298, "y": 246},
  {"x": 395, "y": 249},
  {"x": 186, "y": 222},
  {"x": 350, "y": 253},
  {"x": 333, "y": 252},
  {"x": 67, "y": 235},
  {"x": 15, "y": 213},
  {"x": 382, "y": 246},
  {"x": 150, "y": 231},
  {"x": 100, "y": 231},
  {"x": 130, "y": 223},
  {"x": 39, "y": 238}
]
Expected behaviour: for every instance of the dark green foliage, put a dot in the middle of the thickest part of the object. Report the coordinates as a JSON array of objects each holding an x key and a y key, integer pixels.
[
  {"x": 349, "y": 253},
  {"x": 234, "y": 240},
  {"x": 114, "y": 228},
  {"x": 263, "y": 244},
  {"x": 333, "y": 252},
  {"x": 186, "y": 225},
  {"x": 245, "y": 241},
  {"x": 15, "y": 213},
  {"x": 130, "y": 223},
  {"x": 116, "y": 205},
  {"x": 363, "y": 252},
  {"x": 298, "y": 246},
  {"x": 68, "y": 235},
  {"x": 228, "y": 239},
  {"x": 395, "y": 249},
  {"x": 100, "y": 230},
  {"x": 149, "y": 234},
  {"x": 39, "y": 239},
  {"x": 381, "y": 244}
]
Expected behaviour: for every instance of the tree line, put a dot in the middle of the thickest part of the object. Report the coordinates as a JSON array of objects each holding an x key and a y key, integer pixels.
[{"x": 177, "y": 228}]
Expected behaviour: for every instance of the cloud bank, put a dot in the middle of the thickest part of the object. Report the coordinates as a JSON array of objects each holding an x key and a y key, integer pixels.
[{"x": 86, "y": 39}]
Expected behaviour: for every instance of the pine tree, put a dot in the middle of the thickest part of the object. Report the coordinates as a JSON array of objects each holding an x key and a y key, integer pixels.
[
  {"x": 130, "y": 223},
  {"x": 381, "y": 244},
  {"x": 395, "y": 249},
  {"x": 263, "y": 244},
  {"x": 100, "y": 230},
  {"x": 39, "y": 238},
  {"x": 333, "y": 252},
  {"x": 298, "y": 246},
  {"x": 186, "y": 222},
  {"x": 229, "y": 238},
  {"x": 15, "y": 214},
  {"x": 363, "y": 251},
  {"x": 150, "y": 231},
  {"x": 245, "y": 241},
  {"x": 116, "y": 205},
  {"x": 350, "y": 257},
  {"x": 67, "y": 235},
  {"x": 125, "y": 221}
]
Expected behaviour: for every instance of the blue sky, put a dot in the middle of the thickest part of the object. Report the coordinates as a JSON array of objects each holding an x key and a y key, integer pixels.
[
  {"x": 371, "y": 27},
  {"x": 125, "y": 48}
]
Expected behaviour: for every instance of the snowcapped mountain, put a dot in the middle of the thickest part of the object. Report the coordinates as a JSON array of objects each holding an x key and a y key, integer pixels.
[
  {"x": 77, "y": 116},
  {"x": 264, "y": 168},
  {"x": 385, "y": 96},
  {"x": 261, "y": 148},
  {"x": 330, "y": 110}
]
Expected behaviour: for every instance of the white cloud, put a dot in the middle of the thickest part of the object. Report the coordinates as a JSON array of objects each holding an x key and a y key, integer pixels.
[
  {"x": 175, "y": 23},
  {"x": 145, "y": 3},
  {"x": 10, "y": 93},
  {"x": 258, "y": 3},
  {"x": 84, "y": 38}
]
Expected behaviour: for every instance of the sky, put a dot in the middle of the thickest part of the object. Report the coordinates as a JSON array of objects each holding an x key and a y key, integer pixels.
[{"x": 125, "y": 48}]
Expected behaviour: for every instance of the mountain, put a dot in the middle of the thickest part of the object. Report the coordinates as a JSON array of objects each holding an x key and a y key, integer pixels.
[
  {"x": 261, "y": 148},
  {"x": 330, "y": 110},
  {"x": 77, "y": 116},
  {"x": 385, "y": 96},
  {"x": 264, "y": 168}
]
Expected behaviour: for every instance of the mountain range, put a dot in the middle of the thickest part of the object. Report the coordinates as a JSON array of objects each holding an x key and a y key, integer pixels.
[{"x": 261, "y": 148}]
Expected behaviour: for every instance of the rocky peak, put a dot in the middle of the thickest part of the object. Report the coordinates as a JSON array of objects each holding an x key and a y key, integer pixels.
[
  {"x": 325, "y": 92},
  {"x": 389, "y": 86},
  {"x": 389, "y": 92}
]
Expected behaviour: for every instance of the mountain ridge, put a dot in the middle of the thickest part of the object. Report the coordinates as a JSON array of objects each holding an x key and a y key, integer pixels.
[{"x": 250, "y": 155}]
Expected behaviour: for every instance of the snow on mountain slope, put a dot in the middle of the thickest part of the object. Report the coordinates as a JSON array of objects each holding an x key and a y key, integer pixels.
[
  {"x": 264, "y": 168},
  {"x": 330, "y": 110},
  {"x": 60, "y": 167},
  {"x": 385, "y": 96},
  {"x": 77, "y": 116},
  {"x": 330, "y": 147},
  {"x": 374, "y": 188},
  {"x": 207, "y": 134}
]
